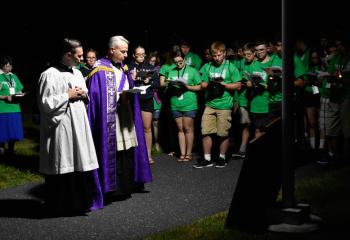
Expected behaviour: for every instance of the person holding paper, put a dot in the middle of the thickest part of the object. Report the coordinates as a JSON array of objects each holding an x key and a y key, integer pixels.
[
  {"x": 11, "y": 129},
  {"x": 116, "y": 123},
  {"x": 184, "y": 106},
  {"x": 216, "y": 118},
  {"x": 259, "y": 100},
  {"x": 147, "y": 80}
]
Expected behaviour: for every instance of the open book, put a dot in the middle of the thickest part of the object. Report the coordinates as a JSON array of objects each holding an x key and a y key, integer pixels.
[
  {"x": 18, "y": 95},
  {"x": 145, "y": 74},
  {"x": 140, "y": 89},
  {"x": 274, "y": 70},
  {"x": 255, "y": 78},
  {"x": 321, "y": 74},
  {"x": 179, "y": 81}
]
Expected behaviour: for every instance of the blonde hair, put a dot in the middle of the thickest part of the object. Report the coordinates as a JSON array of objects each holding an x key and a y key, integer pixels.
[{"x": 217, "y": 47}]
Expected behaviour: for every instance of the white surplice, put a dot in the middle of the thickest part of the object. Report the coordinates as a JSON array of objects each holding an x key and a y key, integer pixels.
[
  {"x": 66, "y": 143},
  {"x": 125, "y": 128}
]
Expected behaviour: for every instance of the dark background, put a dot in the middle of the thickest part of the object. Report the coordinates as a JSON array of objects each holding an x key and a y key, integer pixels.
[{"x": 30, "y": 31}]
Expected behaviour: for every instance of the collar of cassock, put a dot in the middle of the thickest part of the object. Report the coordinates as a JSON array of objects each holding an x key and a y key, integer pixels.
[
  {"x": 63, "y": 68},
  {"x": 117, "y": 65}
]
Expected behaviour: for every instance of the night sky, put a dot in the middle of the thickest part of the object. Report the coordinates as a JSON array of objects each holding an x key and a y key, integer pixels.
[{"x": 30, "y": 36}]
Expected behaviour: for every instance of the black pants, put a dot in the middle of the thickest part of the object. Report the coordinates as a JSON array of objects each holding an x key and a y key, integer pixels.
[{"x": 70, "y": 193}]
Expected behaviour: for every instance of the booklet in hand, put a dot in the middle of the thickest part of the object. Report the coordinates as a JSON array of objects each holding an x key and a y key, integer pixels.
[
  {"x": 139, "y": 89},
  {"x": 144, "y": 74},
  {"x": 133, "y": 90},
  {"x": 273, "y": 71},
  {"x": 256, "y": 78},
  {"x": 18, "y": 95}
]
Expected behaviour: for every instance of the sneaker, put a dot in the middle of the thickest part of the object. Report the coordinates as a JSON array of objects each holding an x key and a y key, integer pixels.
[
  {"x": 239, "y": 154},
  {"x": 221, "y": 163},
  {"x": 325, "y": 158},
  {"x": 203, "y": 163}
]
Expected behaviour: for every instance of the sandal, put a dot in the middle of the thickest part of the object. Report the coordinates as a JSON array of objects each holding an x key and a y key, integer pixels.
[
  {"x": 188, "y": 158},
  {"x": 181, "y": 158},
  {"x": 151, "y": 161}
]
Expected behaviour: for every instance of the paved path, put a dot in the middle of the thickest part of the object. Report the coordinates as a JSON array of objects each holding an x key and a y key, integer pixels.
[{"x": 179, "y": 194}]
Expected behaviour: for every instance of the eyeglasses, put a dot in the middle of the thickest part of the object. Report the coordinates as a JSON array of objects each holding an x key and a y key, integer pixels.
[
  {"x": 179, "y": 62},
  {"x": 121, "y": 51},
  {"x": 260, "y": 49},
  {"x": 140, "y": 55}
]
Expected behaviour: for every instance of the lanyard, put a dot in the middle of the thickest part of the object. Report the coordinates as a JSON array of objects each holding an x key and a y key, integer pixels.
[
  {"x": 222, "y": 70},
  {"x": 178, "y": 72},
  {"x": 10, "y": 81}
]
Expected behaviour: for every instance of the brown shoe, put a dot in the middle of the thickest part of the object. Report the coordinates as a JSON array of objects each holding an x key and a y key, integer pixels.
[
  {"x": 188, "y": 158},
  {"x": 181, "y": 158}
]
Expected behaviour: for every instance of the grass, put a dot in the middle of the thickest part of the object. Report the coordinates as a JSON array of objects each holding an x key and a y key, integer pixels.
[
  {"x": 329, "y": 197},
  {"x": 22, "y": 167}
]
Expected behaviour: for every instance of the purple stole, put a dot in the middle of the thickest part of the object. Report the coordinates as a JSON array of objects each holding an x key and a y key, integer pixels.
[{"x": 102, "y": 116}]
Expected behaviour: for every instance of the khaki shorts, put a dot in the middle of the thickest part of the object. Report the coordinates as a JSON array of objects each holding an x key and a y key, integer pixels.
[
  {"x": 244, "y": 116},
  {"x": 215, "y": 121},
  {"x": 329, "y": 118}
]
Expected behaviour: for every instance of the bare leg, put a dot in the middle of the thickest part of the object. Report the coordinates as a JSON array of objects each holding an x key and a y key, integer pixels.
[
  {"x": 189, "y": 135},
  {"x": 181, "y": 135},
  {"x": 207, "y": 144},
  {"x": 156, "y": 134},
  {"x": 147, "y": 127}
]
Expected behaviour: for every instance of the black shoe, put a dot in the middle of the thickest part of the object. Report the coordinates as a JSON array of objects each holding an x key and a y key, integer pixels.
[
  {"x": 221, "y": 163},
  {"x": 325, "y": 159},
  {"x": 203, "y": 163}
]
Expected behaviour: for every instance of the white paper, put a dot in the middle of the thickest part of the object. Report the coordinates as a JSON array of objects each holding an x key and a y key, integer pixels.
[
  {"x": 184, "y": 80},
  {"x": 12, "y": 90},
  {"x": 322, "y": 74},
  {"x": 142, "y": 88},
  {"x": 315, "y": 89}
]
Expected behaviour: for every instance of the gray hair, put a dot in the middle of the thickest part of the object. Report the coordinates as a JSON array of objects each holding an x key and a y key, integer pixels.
[{"x": 116, "y": 40}]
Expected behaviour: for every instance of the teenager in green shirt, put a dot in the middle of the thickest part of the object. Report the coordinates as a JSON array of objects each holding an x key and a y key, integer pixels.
[
  {"x": 11, "y": 129},
  {"x": 222, "y": 75},
  {"x": 184, "y": 107},
  {"x": 191, "y": 58}
]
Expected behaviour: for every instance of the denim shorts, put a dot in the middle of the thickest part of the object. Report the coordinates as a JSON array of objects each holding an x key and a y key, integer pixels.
[
  {"x": 156, "y": 114},
  {"x": 190, "y": 114}
]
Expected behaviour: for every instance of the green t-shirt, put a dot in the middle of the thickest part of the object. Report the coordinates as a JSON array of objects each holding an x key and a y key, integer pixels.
[
  {"x": 165, "y": 69},
  {"x": 275, "y": 95},
  {"x": 239, "y": 63},
  {"x": 156, "y": 105},
  {"x": 260, "y": 102},
  {"x": 314, "y": 70},
  {"x": 246, "y": 70},
  {"x": 230, "y": 74},
  {"x": 193, "y": 60},
  {"x": 305, "y": 58},
  {"x": 6, "y": 81},
  {"x": 188, "y": 100},
  {"x": 299, "y": 71},
  {"x": 341, "y": 62}
]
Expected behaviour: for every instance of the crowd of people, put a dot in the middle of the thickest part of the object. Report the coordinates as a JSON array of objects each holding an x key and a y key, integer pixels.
[{"x": 100, "y": 117}]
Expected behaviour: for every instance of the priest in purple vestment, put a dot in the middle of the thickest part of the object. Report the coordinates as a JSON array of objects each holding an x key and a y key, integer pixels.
[{"x": 116, "y": 124}]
